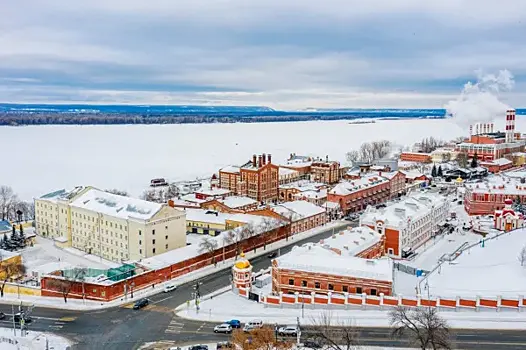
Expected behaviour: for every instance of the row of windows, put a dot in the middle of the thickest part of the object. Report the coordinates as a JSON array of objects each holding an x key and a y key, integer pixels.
[
  {"x": 153, "y": 241},
  {"x": 330, "y": 286}
]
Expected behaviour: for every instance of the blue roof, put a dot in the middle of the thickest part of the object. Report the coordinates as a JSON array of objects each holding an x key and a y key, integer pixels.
[
  {"x": 54, "y": 194},
  {"x": 5, "y": 226}
]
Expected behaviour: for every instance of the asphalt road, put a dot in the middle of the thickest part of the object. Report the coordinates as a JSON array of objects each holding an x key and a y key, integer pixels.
[{"x": 124, "y": 328}]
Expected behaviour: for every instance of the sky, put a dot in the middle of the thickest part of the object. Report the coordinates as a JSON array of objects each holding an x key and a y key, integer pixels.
[{"x": 278, "y": 53}]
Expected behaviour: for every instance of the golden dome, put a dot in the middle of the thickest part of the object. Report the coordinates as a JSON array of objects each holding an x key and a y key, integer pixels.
[
  {"x": 242, "y": 263},
  {"x": 459, "y": 179}
]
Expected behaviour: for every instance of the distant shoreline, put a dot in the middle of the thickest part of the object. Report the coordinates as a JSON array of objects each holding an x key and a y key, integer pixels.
[{"x": 53, "y": 118}]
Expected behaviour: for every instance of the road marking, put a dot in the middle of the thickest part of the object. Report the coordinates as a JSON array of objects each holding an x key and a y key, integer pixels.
[
  {"x": 176, "y": 323},
  {"x": 158, "y": 301},
  {"x": 67, "y": 319},
  {"x": 54, "y": 326},
  {"x": 60, "y": 323}
]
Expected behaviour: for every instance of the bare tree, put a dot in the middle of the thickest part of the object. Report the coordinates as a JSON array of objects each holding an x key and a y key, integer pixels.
[
  {"x": 149, "y": 195},
  {"x": 7, "y": 196},
  {"x": 353, "y": 156},
  {"x": 208, "y": 245},
  {"x": 9, "y": 270},
  {"x": 429, "y": 144},
  {"x": 522, "y": 256},
  {"x": 446, "y": 157},
  {"x": 118, "y": 192},
  {"x": 267, "y": 225},
  {"x": 370, "y": 151},
  {"x": 422, "y": 326},
  {"x": 238, "y": 235},
  {"x": 335, "y": 335},
  {"x": 65, "y": 284},
  {"x": 172, "y": 191},
  {"x": 263, "y": 338},
  {"x": 462, "y": 159}
]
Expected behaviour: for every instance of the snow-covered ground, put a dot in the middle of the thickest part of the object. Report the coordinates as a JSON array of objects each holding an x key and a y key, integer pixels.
[
  {"x": 230, "y": 306},
  {"x": 129, "y": 156},
  {"x": 31, "y": 341}
]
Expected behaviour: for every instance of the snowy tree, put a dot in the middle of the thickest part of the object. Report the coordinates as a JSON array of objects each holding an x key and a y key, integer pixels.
[
  {"x": 369, "y": 152},
  {"x": 7, "y": 197},
  {"x": 439, "y": 172},
  {"x": 434, "y": 171},
  {"x": 474, "y": 161},
  {"x": 522, "y": 256},
  {"x": 462, "y": 159}
]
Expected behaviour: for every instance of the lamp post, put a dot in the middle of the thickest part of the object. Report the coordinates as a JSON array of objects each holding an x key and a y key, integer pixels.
[{"x": 132, "y": 285}]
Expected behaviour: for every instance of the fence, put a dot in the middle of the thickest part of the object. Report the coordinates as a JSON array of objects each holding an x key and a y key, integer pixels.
[{"x": 364, "y": 301}]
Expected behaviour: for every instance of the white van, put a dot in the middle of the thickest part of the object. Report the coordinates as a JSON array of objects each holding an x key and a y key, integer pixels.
[{"x": 255, "y": 324}]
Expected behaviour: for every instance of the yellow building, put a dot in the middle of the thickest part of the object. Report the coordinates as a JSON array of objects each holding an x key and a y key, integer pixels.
[
  {"x": 208, "y": 222},
  {"x": 518, "y": 158},
  {"x": 8, "y": 263},
  {"x": 111, "y": 226}
]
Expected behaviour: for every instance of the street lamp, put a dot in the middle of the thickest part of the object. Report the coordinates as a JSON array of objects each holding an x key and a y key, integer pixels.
[{"x": 132, "y": 285}]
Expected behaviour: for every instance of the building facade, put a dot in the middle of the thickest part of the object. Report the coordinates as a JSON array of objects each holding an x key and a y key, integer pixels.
[
  {"x": 303, "y": 215},
  {"x": 356, "y": 195},
  {"x": 114, "y": 227},
  {"x": 326, "y": 171},
  {"x": 415, "y": 157},
  {"x": 485, "y": 197},
  {"x": 397, "y": 183},
  {"x": 507, "y": 219},
  {"x": 410, "y": 223},
  {"x": 311, "y": 268}
]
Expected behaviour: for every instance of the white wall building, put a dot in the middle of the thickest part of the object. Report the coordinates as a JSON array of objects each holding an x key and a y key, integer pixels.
[
  {"x": 111, "y": 226},
  {"x": 409, "y": 223}
]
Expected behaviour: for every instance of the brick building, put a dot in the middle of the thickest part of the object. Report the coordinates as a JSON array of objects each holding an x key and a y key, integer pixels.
[
  {"x": 326, "y": 171},
  {"x": 362, "y": 242},
  {"x": 497, "y": 165},
  {"x": 257, "y": 179},
  {"x": 409, "y": 223},
  {"x": 485, "y": 197},
  {"x": 301, "y": 164},
  {"x": 415, "y": 157},
  {"x": 355, "y": 195},
  {"x": 507, "y": 219},
  {"x": 312, "y": 268},
  {"x": 488, "y": 144},
  {"x": 303, "y": 215},
  {"x": 397, "y": 183},
  {"x": 288, "y": 192}
]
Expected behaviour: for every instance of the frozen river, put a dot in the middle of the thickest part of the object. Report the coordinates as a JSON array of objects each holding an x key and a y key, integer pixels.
[{"x": 39, "y": 159}]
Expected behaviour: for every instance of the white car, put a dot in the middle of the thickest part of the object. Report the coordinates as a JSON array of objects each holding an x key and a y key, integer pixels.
[
  {"x": 248, "y": 327},
  {"x": 288, "y": 330},
  {"x": 223, "y": 328},
  {"x": 168, "y": 288}
]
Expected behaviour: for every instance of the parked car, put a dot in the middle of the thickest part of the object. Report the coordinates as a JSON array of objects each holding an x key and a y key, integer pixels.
[
  {"x": 223, "y": 328},
  {"x": 169, "y": 287},
  {"x": 224, "y": 345},
  {"x": 139, "y": 304},
  {"x": 288, "y": 330},
  {"x": 272, "y": 255},
  {"x": 234, "y": 323},
  {"x": 248, "y": 327},
  {"x": 311, "y": 344},
  {"x": 198, "y": 347}
]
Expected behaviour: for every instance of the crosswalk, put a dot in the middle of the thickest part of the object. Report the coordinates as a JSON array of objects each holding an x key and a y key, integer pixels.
[
  {"x": 53, "y": 324},
  {"x": 174, "y": 327}
]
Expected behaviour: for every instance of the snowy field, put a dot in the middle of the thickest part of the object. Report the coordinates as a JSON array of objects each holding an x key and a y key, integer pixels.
[{"x": 128, "y": 156}]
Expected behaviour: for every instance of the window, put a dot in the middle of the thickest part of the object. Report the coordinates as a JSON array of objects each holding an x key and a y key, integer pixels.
[
  {"x": 331, "y": 286},
  {"x": 291, "y": 281},
  {"x": 317, "y": 285},
  {"x": 373, "y": 291},
  {"x": 153, "y": 241},
  {"x": 390, "y": 251},
  {"x": 139, "y": 232},
  {"x": 304, "y": 283},
  {"x": 345, "y": 289},
  {"x": 166, "y": 227},
  {"x": 166, "y": 237},
  {"x": 358, "y": 290},
  {"x": 153, "y": 250},
  {"x": 140, "y": 251},
  {"x": 166, "y": 246},
  {"x": 153, "y": 232}
]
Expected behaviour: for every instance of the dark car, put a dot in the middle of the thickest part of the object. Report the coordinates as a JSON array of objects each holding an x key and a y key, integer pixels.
[
  {"x": 311, "y": 344},
  {"x": 18, "y": 317},
  {"x": 139, "y": 304},
  {"x": 272, "y": 255},
  {"x": 198, "y": 347},
  {"x": 234, "y": 323}
]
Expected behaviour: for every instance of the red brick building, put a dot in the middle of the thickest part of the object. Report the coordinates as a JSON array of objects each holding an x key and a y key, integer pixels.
[
  {"x": 397, "y": 181},
  {"x": 484, "y": 198},
  {"x": 356, "y": 195},
  {"x": 302, "y": 214},
  {"x": 312, "y": 268},
  {"x": 326, "y": 171},
  {"x": 498, "y": 165},
  {"x": 257, "y": 179},
  {"x": 362, "y": 242},
  {"x": 415, "y": 157}
]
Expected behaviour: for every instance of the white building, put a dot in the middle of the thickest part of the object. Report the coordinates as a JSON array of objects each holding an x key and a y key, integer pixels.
[
  {"x": 409, "y": 223},
  {"x": 111, "y": 226}
]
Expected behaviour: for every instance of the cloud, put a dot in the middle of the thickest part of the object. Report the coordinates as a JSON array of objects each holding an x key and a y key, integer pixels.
[
  {"x": 479, "y": 101},
  {"x": 285, "y": 54}
]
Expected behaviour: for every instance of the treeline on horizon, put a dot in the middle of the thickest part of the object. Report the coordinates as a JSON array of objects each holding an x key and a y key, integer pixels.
[{"x": 49, "y": 118}]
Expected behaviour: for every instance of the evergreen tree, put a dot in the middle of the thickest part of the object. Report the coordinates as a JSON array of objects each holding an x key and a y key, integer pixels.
[
  {"x": 21, "y": 230},
  {"x": 434, "y": 171},
  {"x": 439, "y": 172},
  {"x": 474, "y": 162}
]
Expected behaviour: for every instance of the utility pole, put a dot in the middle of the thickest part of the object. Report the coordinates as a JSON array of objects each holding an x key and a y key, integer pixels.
[
  {"x": 298, "y": 334},
  {"x": 14, "y": 324}
]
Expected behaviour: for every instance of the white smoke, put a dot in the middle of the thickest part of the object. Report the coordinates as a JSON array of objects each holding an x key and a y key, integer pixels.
[{"x": 479, "y": 102}]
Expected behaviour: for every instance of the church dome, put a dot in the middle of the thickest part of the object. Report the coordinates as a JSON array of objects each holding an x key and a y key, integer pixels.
[{"x": 242, "y": 263}]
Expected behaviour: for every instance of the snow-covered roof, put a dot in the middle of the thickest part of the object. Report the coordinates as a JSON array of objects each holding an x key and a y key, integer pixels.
[
  {"x": 230, "y": 169},
  {"x": 190, "y": 197},
  {"x": 498, "y": 184},
  {"x": 331, "y": 205},
  {"x": 411, "y": 174},
  {"x": 402, "y": 213},
  {"x": 5, "y": 226},
  {"x": 63, "y": 194},
  {"x": 390, "y": 175},
  {"x": 348, "y": 187},
  {"x": 319, "y": 194},
  {"x": 213, "y": 191},
  {"x": 203, "y": 215},
  {"x": 499, "y": 162},
  {"x": 115, "y": 205},
  {"x": 298, "y": 162},
  {"x": 184, "y": 203},
  {"x": 354, "y": 241},
  {"x": 304, "y": 185},
  {"x": 287, "y": 172},
  {"x": 314, "y": 258},
  {"x": 6, "y": 254},
  {"x": 237, "y": 201},
  {"x": 298, "y": 210}
]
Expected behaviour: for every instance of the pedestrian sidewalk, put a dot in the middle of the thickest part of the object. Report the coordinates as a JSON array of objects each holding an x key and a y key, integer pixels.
[
  {"x": 32, "y": 340},
  {"x": 76, "y": 304}
]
